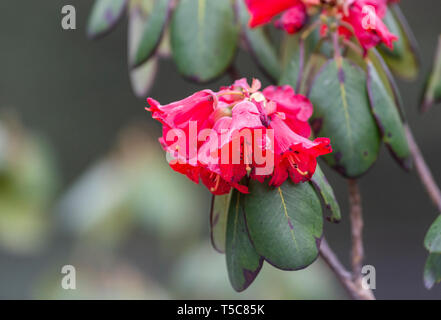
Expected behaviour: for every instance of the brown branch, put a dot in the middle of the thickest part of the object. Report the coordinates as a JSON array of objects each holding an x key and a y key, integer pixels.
[
  {"x": 355, "y": 292},
  {"x": 335, "y": 265},
  {"x": 352, "y": 282},
  {"x": 423, "y": 170},
  {"x": 356, "y": 218}
]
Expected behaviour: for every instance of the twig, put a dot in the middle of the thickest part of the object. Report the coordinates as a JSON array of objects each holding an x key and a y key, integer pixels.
[
  {"x": 342, "y": 274},
  {"x": 423, "y": 170},
  {"x": 356, "y": 217},
  {"x": 345, "y": 278},
  {"x": 337, "y": 53},
  {"x": 352, "y": 282},
  {"x": 356, "y": 228}
]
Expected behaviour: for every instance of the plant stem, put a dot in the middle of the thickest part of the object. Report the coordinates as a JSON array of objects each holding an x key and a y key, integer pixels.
[
  {"x": 423, "y": 170},
  {"x": 352, "y": 282},
  {"x": 344, "y": 276},
  {"x": 356, "y": 218},
  {"x": 335, "y": 265}
]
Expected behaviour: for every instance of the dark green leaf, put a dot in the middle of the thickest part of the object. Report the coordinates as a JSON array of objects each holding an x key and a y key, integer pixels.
[
  {"x": 218, "y": 220},
  {"x": 432, "y": 91},
  {"x": 152, "y": 32},
  {"x": 327, "y": 193},
  {"x": 285, "y": 223},
  {"x": 203, "y": 38},
  {"x": 403, "y": 59},
  {"x": 432, "y": 242},
  {"x": 388, "y": 118},
  {"x": 258, "y": 43},
  {"x": 432, "y": 270},
  {"x": 342, "y": 113},
  {"x": 243, "y": 262},
  {"x": 104, "y": 16}
]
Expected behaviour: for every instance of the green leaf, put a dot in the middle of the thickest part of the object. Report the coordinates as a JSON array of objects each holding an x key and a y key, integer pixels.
[
  {"x": 258, "y": 43},
  {"x": 432, "y": 270},
  {"x": 388, "y": 118},
  {"x": 152, "y": 32},
  {"x": 243, "y": 262},
  {"x": 297, "y": 56},
  {"x": 323, "y": 187},
  {"x": 142, "y": 77},
  {"x": 432, "y": 242},
  {"x": 203, "y": 38},
  {"x": 294, "y": 54},
  {"x": 285, "y": 223},
  {"x": 218, "y": 220},
  {"x": 387, "y": 80},
  {"x": 342, "y": 113},
  {"x": 313, "y": 66},
  {"x": 432, "y": 91},
  {"x": 104, "y": 16},
  {"x": 403, "y": 59}
]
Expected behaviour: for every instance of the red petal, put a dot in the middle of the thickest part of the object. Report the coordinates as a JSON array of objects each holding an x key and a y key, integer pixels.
[
  {"x": 293, "y": 19},
  {"x": 294, "y": 154},
  {"x": 296, "y": 107},
  {"x": 262, "y": 11}
]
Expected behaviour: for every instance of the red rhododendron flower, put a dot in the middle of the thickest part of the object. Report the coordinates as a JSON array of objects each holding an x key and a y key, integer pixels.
[
  {"x": 369, "y": 30},
  {"x": 263, "y": 11},
  {"x": 177, "y": 115},
  {"x": 364, "y": 17},
  {"x": 294, "y": 155},
  {"x": 296, "y": 107},
  {"x": 217, "y": 154},
  {"x": 223, "y": 137}
]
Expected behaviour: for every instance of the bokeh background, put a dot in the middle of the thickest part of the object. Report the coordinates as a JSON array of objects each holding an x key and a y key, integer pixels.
[{"x": 83, "y": 181}]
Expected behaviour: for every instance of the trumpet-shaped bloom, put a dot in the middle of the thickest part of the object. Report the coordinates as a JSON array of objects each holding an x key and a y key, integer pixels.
[
  {"x": 225, "y": 138},
  {"x": 363, "y": 18}
]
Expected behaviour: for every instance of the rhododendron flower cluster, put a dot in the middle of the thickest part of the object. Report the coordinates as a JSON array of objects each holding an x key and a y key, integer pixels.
[
  {"x": 225, "y": 138},
  {"x": 361, "y": 18}
]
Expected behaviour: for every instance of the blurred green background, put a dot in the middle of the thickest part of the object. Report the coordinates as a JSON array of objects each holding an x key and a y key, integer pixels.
[{"x": 84, "y": 182}]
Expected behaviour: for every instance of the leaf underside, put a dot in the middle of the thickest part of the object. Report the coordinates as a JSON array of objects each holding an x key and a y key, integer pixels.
[
  {"x": 323, "y": 187},
  {"x": 218, "y": 220},
  {"x": 432, "y": 90},
  {"x": 388, "y": 118},
  {"x": 243, "y": 262},
  {"x": 432, "y": 270},
  {"x": 432, "y": 242},
  {"x": 403, "y": 60},
  {"x": 258, "y": 43},
  {"x": 104, "y": 17},
  {"x": 152, "y": 32}
]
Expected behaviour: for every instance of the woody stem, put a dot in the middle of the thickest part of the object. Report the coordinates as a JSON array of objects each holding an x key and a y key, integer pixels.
[
  {"x": 356, "y": 217},
  {"x": 423, "y": 170},
  {"x": 354, "y": 291},
  {"x": 351, "y": 281}
]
